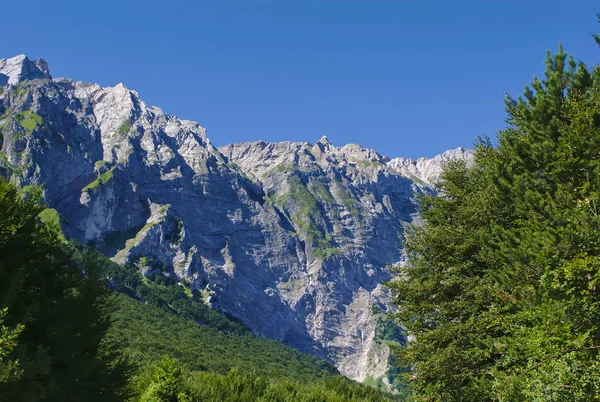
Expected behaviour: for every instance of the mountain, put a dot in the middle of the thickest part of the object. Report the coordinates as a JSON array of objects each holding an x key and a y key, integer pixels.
[{"x": 294, "y": 239}]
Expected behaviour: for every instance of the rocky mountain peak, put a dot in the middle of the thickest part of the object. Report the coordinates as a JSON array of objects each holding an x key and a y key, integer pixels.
[
  {"x": 429, "y": 169},
  {"x": 19, "y": 68},
  {"x": 324, "y": 144},
  {"x": 292, "y": 238}
]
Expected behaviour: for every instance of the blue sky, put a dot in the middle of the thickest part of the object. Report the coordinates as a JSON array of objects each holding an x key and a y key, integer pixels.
[{"x": 407, "y": 78}]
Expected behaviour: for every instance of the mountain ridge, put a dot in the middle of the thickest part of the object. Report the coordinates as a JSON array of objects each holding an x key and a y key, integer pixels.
[{"x": 292, "y": 238}]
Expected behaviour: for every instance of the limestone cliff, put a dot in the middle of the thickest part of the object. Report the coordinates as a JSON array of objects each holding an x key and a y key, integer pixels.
[{"x": 295, "y": 239}]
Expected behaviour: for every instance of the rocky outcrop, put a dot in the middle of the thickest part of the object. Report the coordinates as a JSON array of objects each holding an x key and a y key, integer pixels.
[
  {"x": 428, "y": 170},
  {"x": 20, "y": 68},
  {"x": 295, "y": 239}
]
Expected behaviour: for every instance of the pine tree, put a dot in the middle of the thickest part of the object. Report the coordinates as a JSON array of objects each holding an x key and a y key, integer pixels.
[
  {"x": 61, "y": 300},
  {"x": 9, "y": 369},
  {"x": 500, "y": 286},
  {"x": 166, "y": 385}
]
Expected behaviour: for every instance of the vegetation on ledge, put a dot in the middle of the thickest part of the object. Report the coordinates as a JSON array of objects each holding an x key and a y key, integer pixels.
[
  {"x": 101, "y": 180},
  {"x": 29, "y": 120},
  {"x": 125, "y": 127}
]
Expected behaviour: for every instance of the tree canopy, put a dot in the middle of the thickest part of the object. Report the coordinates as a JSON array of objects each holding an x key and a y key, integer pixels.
[
  {"x": 55, "y": 300},
  {"x": 500, "y": 291}
]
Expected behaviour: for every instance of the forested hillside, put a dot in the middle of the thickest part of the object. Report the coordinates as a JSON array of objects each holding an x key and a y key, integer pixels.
[
  {"x": 66, "y": 334},
  {"x": 501, "y": 289}
]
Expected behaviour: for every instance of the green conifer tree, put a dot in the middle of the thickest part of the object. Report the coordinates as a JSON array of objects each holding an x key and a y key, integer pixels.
[
  {"x": 61, "y": 301},
  {"x": 499, "y": 290}
]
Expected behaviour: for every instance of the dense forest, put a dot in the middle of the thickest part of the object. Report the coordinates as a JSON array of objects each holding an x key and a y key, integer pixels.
[{"x": 501, "y": 293}]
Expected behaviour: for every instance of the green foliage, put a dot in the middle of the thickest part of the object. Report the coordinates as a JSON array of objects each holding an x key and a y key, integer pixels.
[
  {"x": 305, "y": 211},
  {"x": 281, "y": 168},
  {"x": 366, "y": 164},
  {"x": 151, "y": 332},
  {"x": 50, "y": 216},
  {"x": 21, "y": 89},
  {"x": 101, "y": 180},
  {"x": 148, "y": 331},
  {"x": 166, "y": 384},
  {"x": 125, "y": 127},
  {"x": 500, "y": 290},
  {"x": 31, "y": 190},
  {"x": 595, "y": 36},
  {"x": 177, "y": 234},
  {"x": 60, "y": 298},
  {"x": 172, "y": 382},
  {"x": 99, "y": 164},
  {"x": 29, "y": 120},
  {"x": 387, "y": 330},
  {"x": 162, "y": 291},
  {"x": 9, "y": 369},
  {"x": 317, "y": 187}
]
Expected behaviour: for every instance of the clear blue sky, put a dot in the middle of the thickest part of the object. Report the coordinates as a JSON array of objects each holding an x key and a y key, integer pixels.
[{"x": 407, "y": 78}]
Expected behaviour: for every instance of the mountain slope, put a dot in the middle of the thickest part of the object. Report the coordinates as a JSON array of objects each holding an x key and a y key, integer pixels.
[{"x": 294, "y": 239}]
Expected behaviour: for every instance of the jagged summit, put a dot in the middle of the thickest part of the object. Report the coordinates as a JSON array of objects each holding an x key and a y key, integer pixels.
[
  {"x": 20, "y": 68},
  {"x": 292, "y": 238},
  {"x": 260, "y": 158},
  {"x": 430, "y": 169},
  {"x": 324, "y": 144}
]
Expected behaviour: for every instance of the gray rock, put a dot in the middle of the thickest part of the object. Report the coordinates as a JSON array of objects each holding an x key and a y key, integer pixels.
[
  {"x": 429, "y": 169},
  {"x": 20, "y": 68},
  {"x": 293, "y": 238}
]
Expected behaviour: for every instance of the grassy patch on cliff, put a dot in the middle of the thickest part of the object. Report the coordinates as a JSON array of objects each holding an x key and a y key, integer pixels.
[
  {"x": 102, "y": 179},
  {"x": 323, "y": 251},
  {"x": 21, "y": 89},
  {"x": 99, "y": 164},
  {"x": 281, "y": 168},
  {"x": 125, "y": 127},
  {"x": 365, "y": 163},
  {"x": 345, "y": 198},
  {"x": 304, "y": 210},
  {"x": 29, "y": 120},
  {"x": 416, "y": 179},
  {"x": 321, "y": 191}
]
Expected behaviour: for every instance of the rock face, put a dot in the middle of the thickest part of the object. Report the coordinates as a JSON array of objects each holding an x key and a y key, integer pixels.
[
  {"x": 295, "y": 239},
  {"x": 429, "y": 170},
  {"x": 20, "y": 68}
]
